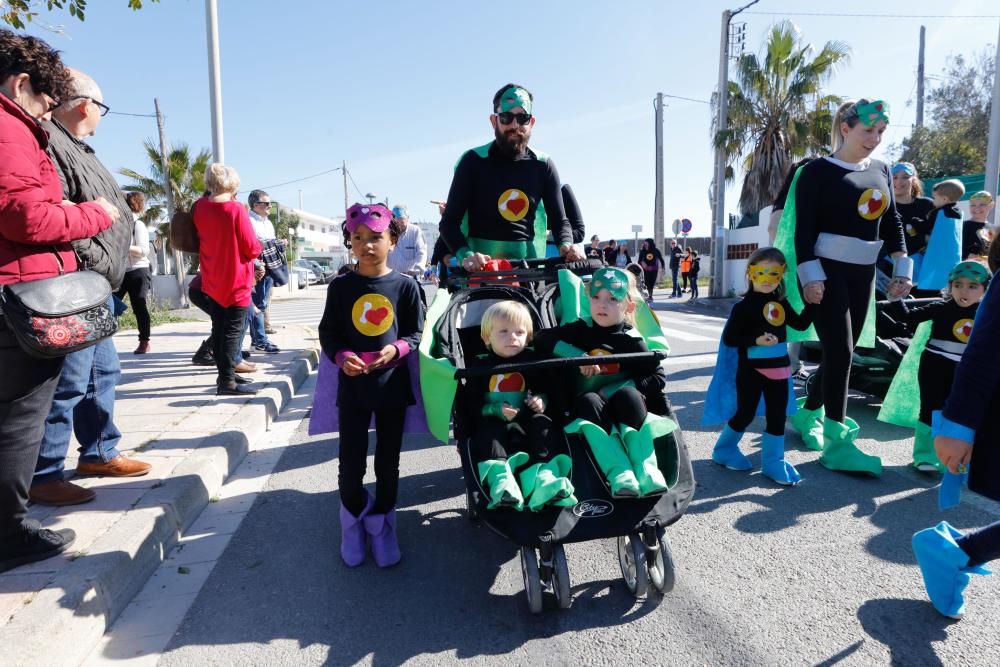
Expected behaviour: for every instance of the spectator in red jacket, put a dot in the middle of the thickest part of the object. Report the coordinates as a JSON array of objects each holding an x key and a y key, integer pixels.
[
  {"x": 35, "y": 230},
  {"x": 228, "y": 247}
]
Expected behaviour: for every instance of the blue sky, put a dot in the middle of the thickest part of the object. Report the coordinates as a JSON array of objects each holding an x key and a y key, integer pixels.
[{"x": 400, "y": 89}]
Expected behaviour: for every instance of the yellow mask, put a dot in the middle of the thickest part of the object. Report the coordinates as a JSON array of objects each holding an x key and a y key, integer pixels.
[{"x": 766, "y": 274}]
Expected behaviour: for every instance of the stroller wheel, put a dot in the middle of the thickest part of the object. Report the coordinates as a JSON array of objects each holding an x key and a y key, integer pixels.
[
  {"x": 810, "y": 381},
  {"x": 560, "y": 577},
  {"x": 662, "y": 568},
  {"x": 532, "y": 584},
  {"x": 632, "y": 559},
  {"x": 470, "y": 506}
]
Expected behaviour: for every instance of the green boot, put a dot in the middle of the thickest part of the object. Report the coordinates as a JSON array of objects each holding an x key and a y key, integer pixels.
[
  {"x": 924, "y": 457},
  {"x": 496, "y": 476},
  {"x": 610, "y": 457},
  {"x": 548, "y": 483},
  {"x": 641, "y": 449},
  {"x": 840, "y": 453},
  {"x": 809, "y": 424}
]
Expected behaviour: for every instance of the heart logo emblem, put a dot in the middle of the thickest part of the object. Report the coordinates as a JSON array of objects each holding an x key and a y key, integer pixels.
[
  {"x": 606, "y": 369},
  {"x": 513, "y": 205},
  {"x": 774, "y": 313},
  {"x": 962, "y": 330},
  {"x": 372, "y": 314},
  {"x": 872, "y": 204},
  {"x": 507, "y": 382},
  {"x": 516, "y": 206}
]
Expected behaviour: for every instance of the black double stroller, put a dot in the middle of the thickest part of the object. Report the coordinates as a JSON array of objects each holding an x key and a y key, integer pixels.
[{"x": 644, "y": 554}]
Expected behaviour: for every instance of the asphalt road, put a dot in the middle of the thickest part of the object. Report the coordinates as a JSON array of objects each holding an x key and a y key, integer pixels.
[{"x": 818, "y": 574}]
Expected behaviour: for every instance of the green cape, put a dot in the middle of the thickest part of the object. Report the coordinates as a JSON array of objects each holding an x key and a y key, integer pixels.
[
  {"x": 902, "y": 402},
  {"x": 785, "y": 242}
]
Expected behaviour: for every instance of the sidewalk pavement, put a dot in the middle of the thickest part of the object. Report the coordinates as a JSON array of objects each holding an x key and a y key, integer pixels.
[{"x": 55, "y": 611}]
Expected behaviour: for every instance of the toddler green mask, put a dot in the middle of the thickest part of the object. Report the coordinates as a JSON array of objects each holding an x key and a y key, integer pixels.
[{"x": 613, "y": 280}]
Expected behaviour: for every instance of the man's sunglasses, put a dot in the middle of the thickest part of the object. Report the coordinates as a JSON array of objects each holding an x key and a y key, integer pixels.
[
  {"x": 262, "y": 203},
  {"x": 508, "y": 117}
]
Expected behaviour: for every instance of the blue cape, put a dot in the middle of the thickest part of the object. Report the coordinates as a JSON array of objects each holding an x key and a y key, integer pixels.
[{"x": 720, "y": 401}]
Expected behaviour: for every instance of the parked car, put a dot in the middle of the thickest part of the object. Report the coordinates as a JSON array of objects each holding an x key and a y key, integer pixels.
[
  {"x": 317, "y": 273},
  {"x": 304, "y": 276},
  {"x": 325, "y": 271}
]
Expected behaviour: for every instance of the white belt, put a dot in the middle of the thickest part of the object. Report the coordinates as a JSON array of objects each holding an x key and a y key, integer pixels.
[
  {"x": 947, "y": 345},
  {"x": 849, "y": 249}
]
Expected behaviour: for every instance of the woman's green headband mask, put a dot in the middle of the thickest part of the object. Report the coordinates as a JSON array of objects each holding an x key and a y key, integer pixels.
[{"x": 872, "y": 112}]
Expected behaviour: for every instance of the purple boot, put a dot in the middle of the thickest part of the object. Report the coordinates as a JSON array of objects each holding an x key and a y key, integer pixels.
[
  {"x": 352, "y": 533},
  {"x": 381, "y": 529}
]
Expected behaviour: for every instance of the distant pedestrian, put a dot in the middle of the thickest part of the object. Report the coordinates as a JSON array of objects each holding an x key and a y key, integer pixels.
[
  {"x": 594, "y": 250},
  {"x": 138, "y": 279},
  {"x": 229, "y": 247},
  {"x": 373, "y": 319},
  {"x": 686, "y": 269},
  {"x": 675, "y": 266},
  {"x": 693, "y": 274},
  {"x": 622, "y": 257},
  {"x": 651, "y": 261},
  {"x": 610, "y": 252},
  {"x": 260, "y": 207}
]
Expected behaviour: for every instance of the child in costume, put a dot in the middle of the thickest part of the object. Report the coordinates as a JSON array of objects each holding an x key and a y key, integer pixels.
[
  {"x": 976, "y": 235},
  {"x": 944, "y": 243},
  {"x": 935, "y": 350},
  {"x": 514, "y": 439},
  {"x": 372, "y": 321},
  {"x": 610, "y": 399},
  {"x": 967, "y": 441},
  {"x": 756, "y": 328}
]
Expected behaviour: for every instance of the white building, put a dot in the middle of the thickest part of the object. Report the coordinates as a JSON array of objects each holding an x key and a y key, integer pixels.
[{"x": 317, "y": 233}]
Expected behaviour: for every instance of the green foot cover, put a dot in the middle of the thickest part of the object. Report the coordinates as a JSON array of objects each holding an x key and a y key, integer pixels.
[
  {"x": 840, "y": 453},
  {"x": 610, "y": 457},
  {"x": 641, "y": 449},
  {"x": 496, "y": 476},
  {"x": 548, "y": 483},
  {"x": 924, "y": 456},
  {"x": 809, "y": 424}
]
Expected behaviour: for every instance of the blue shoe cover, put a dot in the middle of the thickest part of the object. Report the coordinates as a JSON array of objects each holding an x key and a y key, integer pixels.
[
  {"x": 950, "y": 491},
  {"x": 727, "y": 451},
  {"x": 945, "y": 568},
  {"x": 773, "y": 463}
]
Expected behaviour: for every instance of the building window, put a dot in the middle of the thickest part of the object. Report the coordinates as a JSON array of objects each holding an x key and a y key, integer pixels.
[
  {"x": 312, "y": 228},
  {"x": 740, "y": 250}
]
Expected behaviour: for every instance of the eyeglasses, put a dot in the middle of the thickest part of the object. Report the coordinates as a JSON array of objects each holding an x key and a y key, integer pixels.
[
  {"x": 263, "y": 203},
  {"x": 101, "y": 106},
  {"x": 508, "y": 117}
]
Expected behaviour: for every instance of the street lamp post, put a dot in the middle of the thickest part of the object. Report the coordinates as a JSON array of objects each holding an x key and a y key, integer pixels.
[{"x": 214, "y": 79}]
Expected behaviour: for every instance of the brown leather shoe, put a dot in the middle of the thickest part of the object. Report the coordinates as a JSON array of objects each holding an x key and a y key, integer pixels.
[
  {"x": 245, "y": 367},
  {"x": 59, "y": 493},
  {"x": 116, "y": 467},
  {"x": 143, "y": 347}
]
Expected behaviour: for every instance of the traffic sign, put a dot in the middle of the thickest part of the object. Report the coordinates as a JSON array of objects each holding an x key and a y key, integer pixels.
[
  {"x": 636, "y": 228},
  {"x": 686, "y": 226},
  {"x": 677, "y": 227}
]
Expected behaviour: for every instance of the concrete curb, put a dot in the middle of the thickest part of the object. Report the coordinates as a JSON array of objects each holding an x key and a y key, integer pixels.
[{"x": 64, "y": 621}]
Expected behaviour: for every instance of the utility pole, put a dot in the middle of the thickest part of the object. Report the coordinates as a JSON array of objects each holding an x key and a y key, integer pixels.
[
  {"x": 343, "y": 170},
  {"x": 168, "y": 191},
  {"x": 214, "y": 79},
  {"x": 993, "y": 144},
  {"x": 300, "y": 200},
  {"x": 658, "y": 205},
  {"x": 721, "y": 124},
  {"x": 920, "y": 79}
]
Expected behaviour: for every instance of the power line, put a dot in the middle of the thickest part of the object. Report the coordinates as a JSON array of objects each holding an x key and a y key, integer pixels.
[
  {"x": 137, "y": 115},
  {"x": 297, "y": 180},
  {"x": 350, "y": 176},
  {"x": 688, "y": 99},
  {"x": 880, "y": 16}
]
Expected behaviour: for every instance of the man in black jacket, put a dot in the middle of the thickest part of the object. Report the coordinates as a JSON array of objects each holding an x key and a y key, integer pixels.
[
  {"x": 85, "y": 395},
  {"x": 676, "y": 253}
]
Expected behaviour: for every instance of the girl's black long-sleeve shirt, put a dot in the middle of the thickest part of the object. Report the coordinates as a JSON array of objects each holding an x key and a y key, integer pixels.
[
  {"x": 972, "y": 241},
  {"x": 836, "y": 200},
  {"x": 492, "y": 391},
  {"x": 757, "y": 314},
  {"x": 950, "y": 322},
  {"x": 917, "y": 223},
  {"x": 594, "y": 340},
  {"x": 362, "y": 316}
]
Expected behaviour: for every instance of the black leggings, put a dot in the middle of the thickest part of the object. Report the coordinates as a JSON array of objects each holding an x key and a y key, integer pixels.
[
  {"x": 136, "y": 284},
  {"x": 626, "y": 406},
  {"x": 839, "y": 319},
  {"x": 935, "y": 378},
  {"x": 694, "y": 285},
  {"x": 354, "y": 422},
  {"x": 650, "y": 277},
  {"x": 750, "y": 386},
  {"x": 528, "y": 432},
  {"x": 981, "y": 545}
]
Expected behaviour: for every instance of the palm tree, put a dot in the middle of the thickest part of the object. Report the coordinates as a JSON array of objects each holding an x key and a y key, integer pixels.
[
  {"x": 777, "y": 110},
  {"x": 187, "y": 179}
]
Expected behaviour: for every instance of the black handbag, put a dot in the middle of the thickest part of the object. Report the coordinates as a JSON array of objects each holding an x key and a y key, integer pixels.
[{"x": 52, "y": 317}]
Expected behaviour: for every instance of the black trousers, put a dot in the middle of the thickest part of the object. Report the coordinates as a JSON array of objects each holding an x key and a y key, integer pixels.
[
  {"x": 136, "y": 284},
  {"x": 982, "y": 545},
  {"x": 354, "y": 424},
  {"x": 684, "y": 278},
  {"x": 626, "y": 406},
  {"x": 694, "y": 285},
  {"x": 528, "y": 432},
  {"x": 839, "y": 320},
  {"x": 228, "y": 324},
  {"x": 936, "y": 375},
  {"x": 650, "y": 278},
  {"x": 25, "y": 399},
  {"x": 750, "y": 386}
]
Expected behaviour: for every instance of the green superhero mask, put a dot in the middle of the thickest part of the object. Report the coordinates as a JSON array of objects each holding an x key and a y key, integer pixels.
[
  {"x": 873, "y": 112},
  {"x": 613, "y": 280},
  {"x": 970, "y": 270},
  {"x": 515, "y": 97}
]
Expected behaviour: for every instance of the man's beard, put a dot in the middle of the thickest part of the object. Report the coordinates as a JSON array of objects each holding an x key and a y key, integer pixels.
[{"x": 512, "y": 143}]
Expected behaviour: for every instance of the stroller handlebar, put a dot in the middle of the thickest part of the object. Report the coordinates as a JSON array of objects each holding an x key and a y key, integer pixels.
[
  {"x": 564, "y": 362},
  {"x": 909, "y": 302},
  {"x": 530, "y": 270}
]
